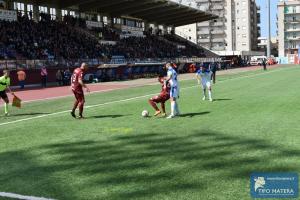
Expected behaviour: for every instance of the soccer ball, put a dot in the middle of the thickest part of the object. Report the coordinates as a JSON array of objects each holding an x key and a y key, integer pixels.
[{"x": 145, "y": 113}]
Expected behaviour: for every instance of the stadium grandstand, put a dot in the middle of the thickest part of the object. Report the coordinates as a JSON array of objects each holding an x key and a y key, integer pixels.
[{"x": 103, "y": 33}]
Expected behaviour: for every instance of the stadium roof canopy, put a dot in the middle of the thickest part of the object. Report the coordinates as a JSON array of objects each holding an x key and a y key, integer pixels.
[{"x": 162, "y": 12}]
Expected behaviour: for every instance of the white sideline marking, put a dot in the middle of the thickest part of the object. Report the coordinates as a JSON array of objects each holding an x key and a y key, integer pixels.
[
  {"x": 134, "y": 98},
  {"x": 17, "y": 196}
]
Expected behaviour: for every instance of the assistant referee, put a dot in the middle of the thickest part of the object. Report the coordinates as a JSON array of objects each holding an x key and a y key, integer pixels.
[{"x": 4, "y": 85}]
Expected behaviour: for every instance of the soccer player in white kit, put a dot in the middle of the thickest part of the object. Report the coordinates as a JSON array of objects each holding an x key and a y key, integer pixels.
[
  {"x": 204, "y": 77},
  {"x": 172, "y": 78}
]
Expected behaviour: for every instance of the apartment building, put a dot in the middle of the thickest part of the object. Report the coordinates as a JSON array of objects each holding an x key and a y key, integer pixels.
[
  {"x": 235, "y": 31},
  {"x": 288, "y": 28}
]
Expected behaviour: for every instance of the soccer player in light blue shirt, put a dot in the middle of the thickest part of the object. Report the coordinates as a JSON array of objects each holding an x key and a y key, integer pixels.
[
  {"x": 172, "y": 78},
  {"x": 204, "y": 78}
]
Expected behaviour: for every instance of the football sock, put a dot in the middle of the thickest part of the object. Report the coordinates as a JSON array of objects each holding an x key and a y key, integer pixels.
[
  {"x": 173, "y": 107},
  {"x": 81, "y": 109},
  {"x": 153, "y": 104},
  {"x": 204, "y": 92},
  {"x": 163, "y": 108},
  {"x": 6, "y": 108},
  {"x": 209, "y": 94},
  {"x": 177, "y": 108},
  {"x": 75, "y": 106}
]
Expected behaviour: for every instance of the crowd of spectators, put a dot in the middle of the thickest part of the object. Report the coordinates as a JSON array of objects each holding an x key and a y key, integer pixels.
[
  {"x": 45, "y": 39},
  {"x": 105, "y": 33},
  {"x": 49, "y": 39},
  {"x": 152, "y": 46},
  {"x": 63, "y": 76}
]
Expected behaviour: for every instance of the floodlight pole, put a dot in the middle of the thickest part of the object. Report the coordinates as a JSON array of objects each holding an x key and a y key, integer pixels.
[{"x": 269, "y": 30}]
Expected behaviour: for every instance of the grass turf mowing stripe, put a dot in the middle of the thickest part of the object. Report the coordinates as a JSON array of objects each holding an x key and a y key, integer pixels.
[
  {"x": 138, "y": 97},
  {"x": 22, "y": 197}
]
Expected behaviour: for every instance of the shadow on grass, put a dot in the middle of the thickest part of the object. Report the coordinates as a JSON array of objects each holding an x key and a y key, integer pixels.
[
  {"x": 194, "y": 114},
  {"x": 106, "y": 116},
  {"x": 222, "y": 99},
  {"x": 153, "y": 165},
  {"x": 29, "y": 114}
]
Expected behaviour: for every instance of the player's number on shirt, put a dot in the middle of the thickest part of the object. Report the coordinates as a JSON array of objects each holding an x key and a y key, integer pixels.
[{"x": 74, "y": 77}]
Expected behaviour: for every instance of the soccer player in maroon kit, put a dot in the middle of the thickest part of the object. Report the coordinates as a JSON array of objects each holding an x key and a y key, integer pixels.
[
  {"x": 77, "y": 86},
  {"x": 161, "y": 98}
]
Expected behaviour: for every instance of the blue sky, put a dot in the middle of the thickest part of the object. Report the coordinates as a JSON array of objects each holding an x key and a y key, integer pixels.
[{"x": 264, "y": 17}]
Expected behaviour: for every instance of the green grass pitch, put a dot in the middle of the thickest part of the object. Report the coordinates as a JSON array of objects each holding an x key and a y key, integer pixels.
[{"x": 206, "y": 154}]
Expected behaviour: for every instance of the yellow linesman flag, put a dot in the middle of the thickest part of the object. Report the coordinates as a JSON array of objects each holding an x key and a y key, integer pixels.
[{"x": 16, "y": 102}]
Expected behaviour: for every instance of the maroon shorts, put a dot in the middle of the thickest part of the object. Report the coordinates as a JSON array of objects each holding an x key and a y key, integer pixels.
[
  {"x": 160, "y": 98},
  {"x": 79, "y": 95}
]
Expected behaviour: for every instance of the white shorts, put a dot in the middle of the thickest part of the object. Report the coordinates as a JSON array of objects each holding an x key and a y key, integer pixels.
[
  {"x": 206, "y": 84},
  {"x": 174, "y": 92}
]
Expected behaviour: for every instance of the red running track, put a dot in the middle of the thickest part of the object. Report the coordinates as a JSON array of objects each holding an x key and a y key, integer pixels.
[{"x": 59, "y": 92}]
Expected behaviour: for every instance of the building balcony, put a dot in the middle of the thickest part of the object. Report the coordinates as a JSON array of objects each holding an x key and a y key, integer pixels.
[
  {"x": 292, "y": 13},
  {"x": 292, "y": 39},
  {"x": 204, "y": 40},
  {"x": 204, "y": 32},
  {"x": 218, "y": 24},
  {"x": 219, "y": 13},
  {"x": 217, "y": 32},
  {"x": 292, "y": 21},
  {"x": 291, "y": 48},
  {"x": 292, "y": 30},
  {"x": 217, "y": 7},
  {"x": 203, "y": 7},
  {"x": 217, "y": 48},
  {"x": 218, "y": 40},
  {"x": 203, "y": 24}
]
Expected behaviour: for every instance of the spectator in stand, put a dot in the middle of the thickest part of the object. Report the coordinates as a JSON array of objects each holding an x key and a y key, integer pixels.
[
  {"x": 21, "y": 78},
  {"x": 30, "y": 15},
  {"x": 67, "y": 77},
  {"x": 44, "y": 75},
  {"x": 2, "y": 5},
  {"x": 59, "y": 78},
  {"x": 99, "y": 75},
  {"x": 119, "y": 73}
]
